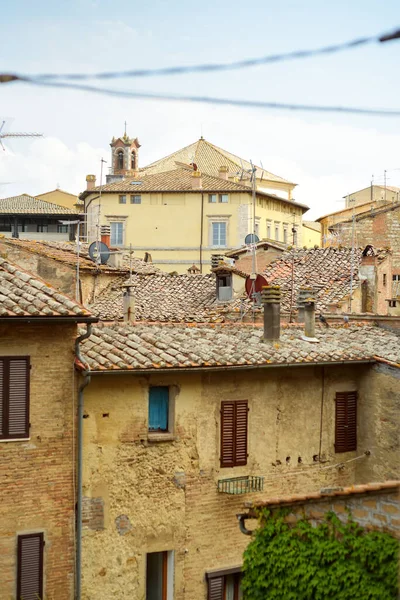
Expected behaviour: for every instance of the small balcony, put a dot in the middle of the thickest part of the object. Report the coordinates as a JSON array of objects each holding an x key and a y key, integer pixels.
[{"x": 241, "y": 485}]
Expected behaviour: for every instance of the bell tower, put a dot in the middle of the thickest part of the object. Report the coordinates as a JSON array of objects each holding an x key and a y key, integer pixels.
[{"x": 124, "y": 155}]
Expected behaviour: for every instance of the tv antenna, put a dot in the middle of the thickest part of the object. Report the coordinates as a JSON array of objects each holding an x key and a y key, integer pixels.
[{"x": 15, "y": 134}]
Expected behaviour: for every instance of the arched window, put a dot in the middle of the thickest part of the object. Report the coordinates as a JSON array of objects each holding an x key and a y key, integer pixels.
[
  {"x": 133, "y": 160},
  {"x": 120, "y": 160}
]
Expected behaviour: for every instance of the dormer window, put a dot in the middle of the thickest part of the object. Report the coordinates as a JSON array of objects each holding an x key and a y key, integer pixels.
[
  {"x": 120, "y": 160},
  {"x": 224, "y": 286}
]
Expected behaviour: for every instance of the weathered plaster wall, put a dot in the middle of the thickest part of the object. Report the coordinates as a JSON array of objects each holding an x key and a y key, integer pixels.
[
  {"x": 163, "y": 496},
  {"x": 37, "y": 492}
]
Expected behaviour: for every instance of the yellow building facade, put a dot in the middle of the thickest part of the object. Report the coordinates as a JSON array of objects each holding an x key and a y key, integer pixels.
[
  {"x": 61, "y": 198},
  {"x": 184, "y": 215}
]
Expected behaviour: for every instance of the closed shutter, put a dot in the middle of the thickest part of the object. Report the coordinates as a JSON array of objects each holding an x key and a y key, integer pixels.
[
  {"x": 30, "y": 567},
  {"x": 216, "y": 588},
  {"x": 14, "y": 397},
  {"x": 234, "y": 433},
  {"x": 346, "y": 422},
  {"x": 158, "y": 408}
]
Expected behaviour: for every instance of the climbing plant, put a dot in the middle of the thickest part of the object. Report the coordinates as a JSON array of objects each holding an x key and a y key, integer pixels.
[{"x": 331, "y": 561}]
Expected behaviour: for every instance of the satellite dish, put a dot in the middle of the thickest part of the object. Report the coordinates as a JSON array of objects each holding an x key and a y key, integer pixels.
[
  {"x": 254, "y": 286},
  {"x": 251, "y": 238},
  {"x": 97, "y": 248}
]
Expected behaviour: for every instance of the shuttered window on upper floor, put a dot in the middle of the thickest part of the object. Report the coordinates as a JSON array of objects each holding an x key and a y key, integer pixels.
[
  {"x": 346, "y": 422},
  {"x": 234, "y": 420},
  {"x": 14, "y": 397},
  {"x": 30, "y": 567}
]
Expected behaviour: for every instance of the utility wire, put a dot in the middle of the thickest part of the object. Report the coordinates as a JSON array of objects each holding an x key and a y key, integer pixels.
[
  {"x": 212, "y": 100},
  {"x": 204, "y": 68}
]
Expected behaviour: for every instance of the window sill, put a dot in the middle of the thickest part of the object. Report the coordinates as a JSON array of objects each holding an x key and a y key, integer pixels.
[
  {"x": 15, "y": 439},
  {"x": 161, "y": 437}
]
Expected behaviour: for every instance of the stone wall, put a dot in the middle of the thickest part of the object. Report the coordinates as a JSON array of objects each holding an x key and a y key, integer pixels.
[
  {"x": 37, "y": 490},
  {"x": 162, "y": 496}
]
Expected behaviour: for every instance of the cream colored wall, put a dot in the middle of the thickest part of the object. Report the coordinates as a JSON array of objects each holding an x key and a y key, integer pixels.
[
  {"x": 377, "y": 194},
  {"x": 168, "y": 491},
  {"x": 61, "y": 198},
  {"x": 310, "y": 237},
  {"x": 168, "y": 225}
]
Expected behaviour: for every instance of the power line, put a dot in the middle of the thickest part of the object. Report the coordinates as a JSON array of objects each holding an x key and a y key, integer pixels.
[
  {"x": 212, "y": 100},
  {"x": 204, "y": 68}
]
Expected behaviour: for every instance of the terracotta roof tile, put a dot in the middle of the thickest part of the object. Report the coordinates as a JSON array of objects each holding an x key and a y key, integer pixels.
[
  {"x": 148, "y": 347},
  {"x": 29, "y": 205},
  {"x": 25, "y": 295}
]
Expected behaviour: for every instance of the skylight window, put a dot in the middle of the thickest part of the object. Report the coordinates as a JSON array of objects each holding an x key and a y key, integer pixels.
[{"x": 136, "y": 182}]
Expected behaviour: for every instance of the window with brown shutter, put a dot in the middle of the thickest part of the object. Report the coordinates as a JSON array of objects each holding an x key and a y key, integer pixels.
[
  {"x": 30, "y": 567},
  {"x": 224, "y": 584},
  {"x": 346, "y": 422},
  {"x": 14, "y": 397},
  {"x": 216, "y": 588},
  {"x": 234, "y": 433}
]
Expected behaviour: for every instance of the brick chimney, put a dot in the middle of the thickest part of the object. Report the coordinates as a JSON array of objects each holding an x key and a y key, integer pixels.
[
  {"x": 105, "y": 233},
  {"x": 223, "y": 172},
  {"x": 128, "y": 303},
  {"x": 197, "y": 182},
  {"x": 271, "y": 299},
  {"x": 90, "y": 182}
]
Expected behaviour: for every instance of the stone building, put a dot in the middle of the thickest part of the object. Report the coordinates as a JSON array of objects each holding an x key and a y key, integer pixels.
[
  {"x": 38, "y": 329},
  {"x": 181, "y": 420}
]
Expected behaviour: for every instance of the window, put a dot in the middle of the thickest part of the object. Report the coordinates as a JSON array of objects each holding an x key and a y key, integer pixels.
[
  {"x": 224, "y": 287},
  {"x": 136, "y": 199},
  {"x": 42, "y": 228},
  {"x": 224, "y": 585},
  {"x": 212, "y": 198},
  {"x": 133, "y": 160},
  {"x": 159, "y": 576},
  {"x": 158, "y": 408},
  {"x": 30, "y": 566},
  {"x": 392, "y": 303},
  {"x": 120, "y": 160},
  {"x": 346, "y": 422},
  {"x": 14, "y": 397},
  {"x": 219, "y": 234},
  {"x": 268, "y": 230},
  {"x": 5, "y": 225},
  {"x": 122, "y": 199},
  {"x": 224, "y": 198},
  {"x": 384, "y": 279},
  {"x": 257, "y": 228},
  {"x": 117, "y": 233},
  {"x": 396, "y": 277},
  {"x": 277, "y": 232},
  {"x": 62, "y": 228},
  {"x": 285, "y": 236},
  {"x": 233, "y": 433}
]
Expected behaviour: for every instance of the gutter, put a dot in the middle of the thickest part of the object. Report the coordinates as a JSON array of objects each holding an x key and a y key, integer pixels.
[
  {"x": 242, "y": 518},
  {"x": 86, "y": 381},
  {"x": 228, "y": 368},
  {"x": 28, "y": 319}
]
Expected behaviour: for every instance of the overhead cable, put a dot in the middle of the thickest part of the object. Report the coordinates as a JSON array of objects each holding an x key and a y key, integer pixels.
[{"x": 240, "y": 64}]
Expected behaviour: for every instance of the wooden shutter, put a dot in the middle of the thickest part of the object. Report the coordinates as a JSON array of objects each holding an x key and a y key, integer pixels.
[
  {"x": 30, "y": 567},
  {"x": 233, "y": 433},
  {"x": 346, "y": 422},
  {"x": 14, "y": 396},
  {"x": 216, "y": 588}
]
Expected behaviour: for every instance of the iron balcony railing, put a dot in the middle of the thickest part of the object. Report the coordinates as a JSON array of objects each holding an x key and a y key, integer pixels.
[{"x": 241, "y": 485}]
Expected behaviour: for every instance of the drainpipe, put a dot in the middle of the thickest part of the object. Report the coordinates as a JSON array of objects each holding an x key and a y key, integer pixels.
[
  {"x": 242, "y": 518},
  {"x": 201, "y": 232},
  {"x": 86, "y": 381}
]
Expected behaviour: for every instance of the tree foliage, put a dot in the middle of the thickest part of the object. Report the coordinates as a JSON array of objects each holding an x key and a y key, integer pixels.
[{"x": 331, "y": 561}]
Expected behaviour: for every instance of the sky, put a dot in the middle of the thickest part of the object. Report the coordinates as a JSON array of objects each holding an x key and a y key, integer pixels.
[{"x": 327, "y": 155}]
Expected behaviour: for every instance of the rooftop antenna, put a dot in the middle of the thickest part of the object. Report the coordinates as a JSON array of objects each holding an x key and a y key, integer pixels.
[
  {"x": 292, "y": 274},
  {"x": 262, "y": 174},
  {"x": 15, "y": 135},
  {"x": 98, "y": 257},
  {"x": 125, "y": 129}
]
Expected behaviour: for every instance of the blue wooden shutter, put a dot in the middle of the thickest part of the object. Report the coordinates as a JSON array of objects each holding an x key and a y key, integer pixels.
[{"x": 158, "y": 408}]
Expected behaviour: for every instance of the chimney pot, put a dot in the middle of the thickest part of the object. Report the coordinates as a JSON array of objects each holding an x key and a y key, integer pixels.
[
  {"x": 271, "y": 299},
  {"x": 309, "y": 319},
  {"x": 128, "y": 303},
  {"x": 197, "y": 182},
  {"x": 90, "y": 182},
  {"x": 105, "y": 233},
  {"x": 304, "y": 293},
  {"x": 223, "y": 172}
]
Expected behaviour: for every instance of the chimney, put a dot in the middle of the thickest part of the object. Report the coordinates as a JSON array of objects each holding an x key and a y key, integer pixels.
[
  {"x": 90, "y": 182},
  {"x": 304, "y": 293},
  {"x": 309, "y": 319},
  {"x": 105, "y": 232},
  {"x": 223, "y": 172},
  {"x": 197, "y": 183},
  {"x": 128, "y": 303},
  {"x": 271, "y": 299}
]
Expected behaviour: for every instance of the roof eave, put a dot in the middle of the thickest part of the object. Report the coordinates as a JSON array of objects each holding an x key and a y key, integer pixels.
[{"x": 49, "y": 319}]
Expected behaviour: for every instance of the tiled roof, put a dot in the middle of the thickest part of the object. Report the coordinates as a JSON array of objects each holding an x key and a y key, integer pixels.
[
  {"x": 161, "y": 297},
  {"x": 209, "y": 159},
  {"x": 27, "y": 205},
  {"x": 65, "y": 252},
  {"x": 151, "y": 347},
  {"x": 263, "y": 244},
  {"x": 312, "y": 225},
  {"x": 326, "y": 270},
  {"x": 25, "y": 295},
  {"x": 353, "y": 490}
]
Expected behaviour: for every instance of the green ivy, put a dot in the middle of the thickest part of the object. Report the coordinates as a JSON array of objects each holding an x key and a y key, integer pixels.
[{"x": 331, "y": 561}]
